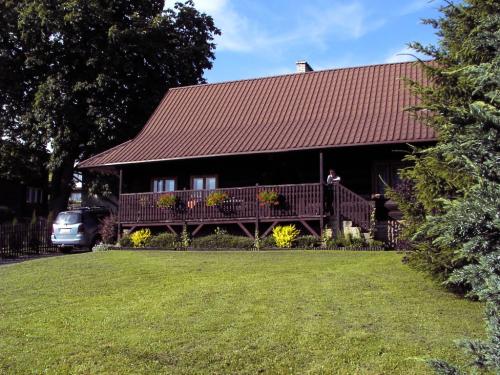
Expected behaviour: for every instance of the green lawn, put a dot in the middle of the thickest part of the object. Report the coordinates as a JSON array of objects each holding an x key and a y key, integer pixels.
[{"x": 227, "y": 312}]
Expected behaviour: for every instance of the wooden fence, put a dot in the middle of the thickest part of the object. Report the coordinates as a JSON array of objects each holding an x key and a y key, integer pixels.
[{"x": 26, "y": 239}]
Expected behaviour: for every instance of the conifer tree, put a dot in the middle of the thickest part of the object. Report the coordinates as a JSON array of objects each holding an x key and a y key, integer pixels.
[{"x": 454, "y": 213}]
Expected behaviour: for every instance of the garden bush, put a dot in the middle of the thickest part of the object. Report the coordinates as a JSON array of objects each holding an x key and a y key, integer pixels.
[
  {"x": 285, "y": 236},
  {"x": 108, "y": 229},
  {"x": 307, "y": 242},
  {"x": 164, "y": 240},
  {"x": 267, "y": 242},
  {"x": 222, "y": 241},
  {"x": 141, "y": 237},
  {"x": 125, "y": 241},
  {"x": 100, "y": 247}
]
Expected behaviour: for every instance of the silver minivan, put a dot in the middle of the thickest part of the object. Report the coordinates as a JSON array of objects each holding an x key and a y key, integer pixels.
[{"x": 78, "y": 228}]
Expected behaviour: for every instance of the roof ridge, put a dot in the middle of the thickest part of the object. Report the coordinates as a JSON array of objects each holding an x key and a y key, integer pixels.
[{"x": 292, "y": 74}]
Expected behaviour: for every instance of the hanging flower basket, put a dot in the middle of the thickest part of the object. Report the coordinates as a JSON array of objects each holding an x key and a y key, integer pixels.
[
  {"x": 216, "y": 198},
  {"x": 222, "y": 201},
  {"x": 167, "y": 201},
  {"x": 268, "y": 198},
  {"x": 171, "y": 201}
]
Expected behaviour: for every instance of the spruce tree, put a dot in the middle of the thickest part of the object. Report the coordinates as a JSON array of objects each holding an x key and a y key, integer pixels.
[{"x": 454, "y": 216}]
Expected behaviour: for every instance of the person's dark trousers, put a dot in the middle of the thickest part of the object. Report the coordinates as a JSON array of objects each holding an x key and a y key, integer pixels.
[{"x": 329, "y": 199}]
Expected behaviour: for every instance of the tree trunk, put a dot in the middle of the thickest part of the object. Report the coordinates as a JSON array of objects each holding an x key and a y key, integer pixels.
[{"x": 61, "y": 186}]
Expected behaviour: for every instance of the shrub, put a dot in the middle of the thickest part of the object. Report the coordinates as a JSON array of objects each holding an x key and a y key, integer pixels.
[
  {"x": 357, "y": 242},
  {"x": 375, "y": 243},
  {"x": 269, "y": 197},
  {"x": 108, "y": 229},
  {"x": 284, "y": 236},
  {"x": 307, "y": 242},
  {"x": 125, "y": 241},
  {"x": 216, "y": 198},
  {"x": 267, "y": 242},
  {"x": 167, "y": 201},
  {"x": 185, "y": 239},
  {"x": 327, "y": 237},
  {"x": 257, "y": 242},
  {"x": 100, "y": 247},
  {"x": 224, "y": 241},
  {"x": 164, "y": 240},
  {"x": 141, "y": 237}
]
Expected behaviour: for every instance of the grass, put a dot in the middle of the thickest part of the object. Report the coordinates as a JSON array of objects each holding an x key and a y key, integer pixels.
[{"x": 227, "y": 312}]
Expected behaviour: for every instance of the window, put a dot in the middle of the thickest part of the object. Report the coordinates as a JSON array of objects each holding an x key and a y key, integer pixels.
[
  {"x": 164, "y": 184},
  {"x": 34, "y": 195},
  {"x": 385, "y": 172},
  {"x": 76, "y": 197},
  {"x": 204, "y": 182}
]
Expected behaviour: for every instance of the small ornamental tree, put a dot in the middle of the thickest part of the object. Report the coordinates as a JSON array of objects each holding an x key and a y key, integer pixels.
[{"x": 108, "y": 229}]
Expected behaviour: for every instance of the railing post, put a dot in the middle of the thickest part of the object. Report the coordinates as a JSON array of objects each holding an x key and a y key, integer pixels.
[
  {"x": 257, "y": 208},
  {"x": 337, "y": 207},
  {"x": 321, "y": 196}
]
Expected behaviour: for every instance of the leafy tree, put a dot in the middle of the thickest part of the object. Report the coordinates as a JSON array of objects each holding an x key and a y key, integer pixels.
[
  {"x": 83, "y": 75},
  {"x": 454, "y": 218}
]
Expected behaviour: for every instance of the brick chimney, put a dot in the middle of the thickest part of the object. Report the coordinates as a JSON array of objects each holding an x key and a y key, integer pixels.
[{"x": 303, "y": 66}]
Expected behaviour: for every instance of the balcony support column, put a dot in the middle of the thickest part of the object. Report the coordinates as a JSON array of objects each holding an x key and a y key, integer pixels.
[
  {"x": 321, "y": 195},
  {"x": 257, "y": 209},
  {"x": 120, "y": 183}
]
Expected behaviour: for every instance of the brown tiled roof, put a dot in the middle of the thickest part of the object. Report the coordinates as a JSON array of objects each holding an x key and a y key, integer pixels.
[{"x": 322, "y": 109}]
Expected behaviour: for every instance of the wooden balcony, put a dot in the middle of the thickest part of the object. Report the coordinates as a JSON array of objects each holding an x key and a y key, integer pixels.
[{"x": 300, "y": 202}]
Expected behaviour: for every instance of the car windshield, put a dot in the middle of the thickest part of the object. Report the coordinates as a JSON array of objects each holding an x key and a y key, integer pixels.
[{"x": 69, "y": 218}]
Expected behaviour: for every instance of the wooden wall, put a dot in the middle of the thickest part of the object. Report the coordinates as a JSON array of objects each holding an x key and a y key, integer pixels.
[{"x": 353, "y": 164}]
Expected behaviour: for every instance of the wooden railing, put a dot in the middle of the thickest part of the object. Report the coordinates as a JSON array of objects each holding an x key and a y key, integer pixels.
[
  {"x": 296, "y": 201},
  {"x": 348, "y": 205}
]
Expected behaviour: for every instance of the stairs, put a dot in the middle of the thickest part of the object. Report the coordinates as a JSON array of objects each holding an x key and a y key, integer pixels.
[{"x": 349, "y": 206}]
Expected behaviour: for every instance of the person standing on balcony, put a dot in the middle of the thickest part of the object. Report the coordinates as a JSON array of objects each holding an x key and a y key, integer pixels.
[
  {"x": 330, "y": 181},
  {"x": 332, "y": 178}
]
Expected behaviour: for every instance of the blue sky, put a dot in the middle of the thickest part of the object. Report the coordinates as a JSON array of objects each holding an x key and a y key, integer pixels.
[{"x": 266, "y": 37}]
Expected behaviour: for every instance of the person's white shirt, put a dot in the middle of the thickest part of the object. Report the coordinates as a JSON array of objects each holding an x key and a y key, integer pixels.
[{"x": 331, "y": 179}]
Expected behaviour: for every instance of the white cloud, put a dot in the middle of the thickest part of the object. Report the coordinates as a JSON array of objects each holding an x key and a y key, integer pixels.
[
  {"x": 316, "y": 25},
  {"x": 415, "y": 6},
  {"x": 341, "y": 20},
  {"x": 402, "y": 55}
]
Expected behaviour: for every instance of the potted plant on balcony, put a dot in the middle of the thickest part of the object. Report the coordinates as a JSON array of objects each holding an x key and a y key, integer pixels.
[
  {"x": 216, "y": 198},
  {"x": 221, "y": 200},
  {"x": 167, "y": 201},
  {"x": 170, "y": 201},
  {"x": 268, "y": 198}
]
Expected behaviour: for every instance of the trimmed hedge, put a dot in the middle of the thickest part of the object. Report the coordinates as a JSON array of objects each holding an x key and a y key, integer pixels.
[
  {"x": 164, "y": 240},
  {"x": 225, "y": 241},
  {"x": 307, "y": 242}
]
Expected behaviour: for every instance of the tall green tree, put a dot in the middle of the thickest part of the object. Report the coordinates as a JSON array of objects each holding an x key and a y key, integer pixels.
[
  {"x": 80, "y": 76},
  {"x": 454, "y": 213}
]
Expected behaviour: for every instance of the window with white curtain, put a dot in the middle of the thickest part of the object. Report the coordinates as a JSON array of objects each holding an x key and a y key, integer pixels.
[{"x": 161, "y": 185}]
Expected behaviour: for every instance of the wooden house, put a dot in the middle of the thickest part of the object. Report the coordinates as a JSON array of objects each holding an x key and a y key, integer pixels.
[{"x": 279, "y": 135}]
